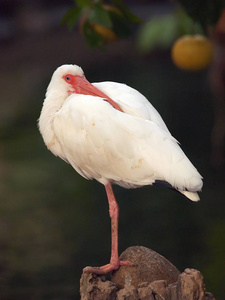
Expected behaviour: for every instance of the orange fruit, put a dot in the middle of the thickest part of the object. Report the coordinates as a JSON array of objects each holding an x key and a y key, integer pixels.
[{"x": 192, "y": 52}]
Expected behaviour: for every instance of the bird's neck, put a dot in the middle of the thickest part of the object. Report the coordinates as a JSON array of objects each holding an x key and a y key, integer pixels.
[{"x": 52, "y": 104}]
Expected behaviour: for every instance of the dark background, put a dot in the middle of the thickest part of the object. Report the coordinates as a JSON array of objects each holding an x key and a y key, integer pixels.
[{"x": 52, "y": 221}]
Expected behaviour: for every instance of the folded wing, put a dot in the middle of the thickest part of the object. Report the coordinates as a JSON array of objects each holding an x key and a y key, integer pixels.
[{"x": 108, "y": 145}]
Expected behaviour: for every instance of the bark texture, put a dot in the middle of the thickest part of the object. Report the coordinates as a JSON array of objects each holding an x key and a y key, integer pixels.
[{"x": 152, "y": 277}]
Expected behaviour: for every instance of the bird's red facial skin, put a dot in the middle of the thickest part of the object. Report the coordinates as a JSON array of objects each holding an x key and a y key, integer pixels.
[
  {"x": 80, "y": 85},
  {"x": 70, "y": 79}
]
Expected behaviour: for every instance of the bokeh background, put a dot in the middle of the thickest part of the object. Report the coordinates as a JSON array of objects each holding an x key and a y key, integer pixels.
[{"x": 52, "y": 221}]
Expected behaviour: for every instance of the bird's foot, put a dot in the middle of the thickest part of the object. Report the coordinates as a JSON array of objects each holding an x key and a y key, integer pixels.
[{"x": 107, "y": 268}]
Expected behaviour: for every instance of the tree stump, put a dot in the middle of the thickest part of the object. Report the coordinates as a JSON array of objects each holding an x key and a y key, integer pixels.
[
  {"x": 148, "y": 266},
  {"x": 152, "y": 277}
]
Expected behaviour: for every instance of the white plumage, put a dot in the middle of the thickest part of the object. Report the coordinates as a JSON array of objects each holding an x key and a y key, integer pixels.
[
  {"x": 130, "y": 148},
  {"x": 128, "y": 144}
]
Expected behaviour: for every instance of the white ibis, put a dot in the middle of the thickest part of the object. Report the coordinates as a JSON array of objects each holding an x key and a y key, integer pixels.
[{"x": 110, "y": 132}]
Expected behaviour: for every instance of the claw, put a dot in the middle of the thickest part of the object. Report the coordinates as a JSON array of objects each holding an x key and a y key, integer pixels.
[{"x": 107, "y": 268}]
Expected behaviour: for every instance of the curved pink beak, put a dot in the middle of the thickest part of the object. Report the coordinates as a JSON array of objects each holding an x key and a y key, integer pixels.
[{"x": 82, "y": 86}]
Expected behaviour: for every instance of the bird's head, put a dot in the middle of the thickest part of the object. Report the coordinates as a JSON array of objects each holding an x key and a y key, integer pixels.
[
  {"x": 65, "y": 80},
  {"x": 69, "y": 79}
]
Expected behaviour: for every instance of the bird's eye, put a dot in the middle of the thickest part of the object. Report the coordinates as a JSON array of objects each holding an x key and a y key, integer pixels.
[{"x": 68, "y": 78}]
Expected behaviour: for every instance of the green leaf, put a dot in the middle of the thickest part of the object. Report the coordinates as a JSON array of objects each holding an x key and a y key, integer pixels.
[
  {"x": 185, "y": 24},
  {"x": 126, "y": 11},
  {"x": 121, "y": 26},
  {"x": 99, "y": 15},
  {"x": 93, "y": 39},
  {"x": 83, "y": 3},
  {"x": 206, "y": 12},
  {"x": 158, "y": 32},
  {"x": 72, "y": 16}
]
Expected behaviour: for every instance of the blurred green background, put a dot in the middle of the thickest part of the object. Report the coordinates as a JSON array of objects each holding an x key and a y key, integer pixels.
[{"x": 52, "y": 221}]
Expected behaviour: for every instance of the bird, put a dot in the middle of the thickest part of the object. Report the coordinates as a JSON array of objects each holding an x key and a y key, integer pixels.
[{"x": 110, "y": 132}]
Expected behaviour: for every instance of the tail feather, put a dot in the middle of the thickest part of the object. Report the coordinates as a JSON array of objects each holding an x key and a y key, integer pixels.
[{"x": 193, "y": 196}]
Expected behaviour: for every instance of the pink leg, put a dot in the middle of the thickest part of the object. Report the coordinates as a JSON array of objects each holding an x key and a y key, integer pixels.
[{"x": 115, "y": 262}]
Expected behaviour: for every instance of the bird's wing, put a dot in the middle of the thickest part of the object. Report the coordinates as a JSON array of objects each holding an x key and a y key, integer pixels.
[
  {"x": 108, "y": 145},
  {"x": 131, "y": 101}
]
